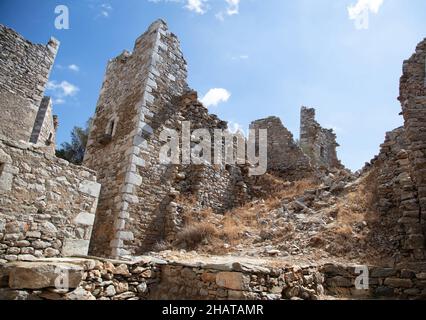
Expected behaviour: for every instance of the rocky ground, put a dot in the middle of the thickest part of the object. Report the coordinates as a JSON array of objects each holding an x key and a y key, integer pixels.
[{"x": 330, "y": 220}]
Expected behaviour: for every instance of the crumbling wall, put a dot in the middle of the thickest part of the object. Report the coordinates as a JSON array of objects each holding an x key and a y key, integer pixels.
[
  {"x": 219, "y": 186},
  {"x": 47, "y": 206},
  {"x": 395, "y": 194},
  {"x": 413, "y": 101},
  {"x": 318, "y": 143},
  {"x": 284, "y": 155},
  {"x": 401, "y": 166},
  {"x": 145, "y": 93},
  {"x": 24, "y": 71}
]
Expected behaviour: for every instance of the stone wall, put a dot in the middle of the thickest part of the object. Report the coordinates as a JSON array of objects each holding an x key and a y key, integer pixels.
[
  {"x": 318, "y": 143},
  {"x": 47, "y": 206},
  {"x": 404, "y": 282},
  {"x": 137, "y": 91},
  {"x": 413, "y": 101},
  {"x": 149, "y": 278},
  {"x": 394, "y": 193},
  {"x": 399, "y": 170},
  {"x": 153, "y": 279},
  {"x": 215, "y": 185},
  {"x": 24, "y": 71},
  {"x": 285, "y": 158},
  {"x": 145, "y": 93},
  {"x": 236, "y": 281},
  {"x": 88, "y": 279}
]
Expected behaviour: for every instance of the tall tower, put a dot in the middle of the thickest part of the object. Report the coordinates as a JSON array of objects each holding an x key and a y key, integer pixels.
[
  {"x": 24, "y": 71},
  {"x": 123, "y": 147}
]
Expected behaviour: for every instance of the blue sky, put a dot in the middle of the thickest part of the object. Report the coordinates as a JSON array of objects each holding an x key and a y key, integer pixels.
[{"x": 269, "y": 57}]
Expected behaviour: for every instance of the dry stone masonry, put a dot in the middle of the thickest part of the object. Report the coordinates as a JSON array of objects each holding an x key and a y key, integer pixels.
[
  {"x": 318, "y": 143},
  {"x": 24, "y": 71},
  {"x": 124, "y": 147},
  {"x": 413, "y": 101},
  {"x": 284, "y": 156},
  {"x": 126, "y": 202},
  {"x": 151, "y": 278},
  {"x": 136, "y": 209},
  {"x": 401, "y": 165},
  {"x": 47, "y": 206}
]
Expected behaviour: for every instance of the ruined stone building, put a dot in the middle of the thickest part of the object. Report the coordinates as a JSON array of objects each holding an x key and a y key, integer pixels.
[
  {"x": 24, "y": 72},
  {"x": 285, "y": 157},
  {"x": 47, "y": 206},
  {"x": 144, "y": 93},
  {"x": 401, "y": 165},
  {"x": 318, "y": 143},
  {"x": 124, "y": 200}
]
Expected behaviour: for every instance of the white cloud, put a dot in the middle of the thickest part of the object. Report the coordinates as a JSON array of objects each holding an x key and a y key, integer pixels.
[
  {"x": 60, "y": 91},
  {"x": 215, "y": 96},
  {"x": 235, "y": 127},
  {"x": 361, "y": 10},
  {"x": 233, "y": 8},
  {"x": 105, "y": 10},
  {"x": 58, "y": 101},
  {"x": 198, "y": 6},
  {"x": 74, "y": 67}
]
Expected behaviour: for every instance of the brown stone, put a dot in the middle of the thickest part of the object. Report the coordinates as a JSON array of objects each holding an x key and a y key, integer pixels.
[
  {"x": 398, "y": 283},
  {"x": 232, "y": 280}
]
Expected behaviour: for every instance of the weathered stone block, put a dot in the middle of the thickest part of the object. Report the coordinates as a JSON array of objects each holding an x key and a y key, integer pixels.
[
  {"x": 73, "y": 247},
  {"x": 39, "y": 275},
  {"x": 85, "y": 218},
  {"x": 232, "y": 280},
  {"x": 90, "y": 188}
]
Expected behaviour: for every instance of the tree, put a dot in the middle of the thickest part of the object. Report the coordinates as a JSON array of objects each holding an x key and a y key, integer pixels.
[{"x": 74, "y": 151}]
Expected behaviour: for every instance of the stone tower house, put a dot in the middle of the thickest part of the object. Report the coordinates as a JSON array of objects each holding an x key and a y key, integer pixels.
[
  {"x": 123, "y": 146},
  {"x": 318, "y": 143},
  {"x": 26, "y": 114}
]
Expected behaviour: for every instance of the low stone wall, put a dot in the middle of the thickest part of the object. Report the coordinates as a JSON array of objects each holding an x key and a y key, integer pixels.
[
  {"x": 88, "y": 279},
  {"x": 47, "y": 205},
  {"x": 237, "y": 281},
  {"x": 383, "y": 283},
  {"x": 149, "y": 278}
]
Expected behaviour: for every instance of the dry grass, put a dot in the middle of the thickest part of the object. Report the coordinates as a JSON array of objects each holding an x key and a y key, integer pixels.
[
  {"x": 192, "y": 235},
  {"x": 356, "y": 206},
  {"x": 221, "y": 233}
]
